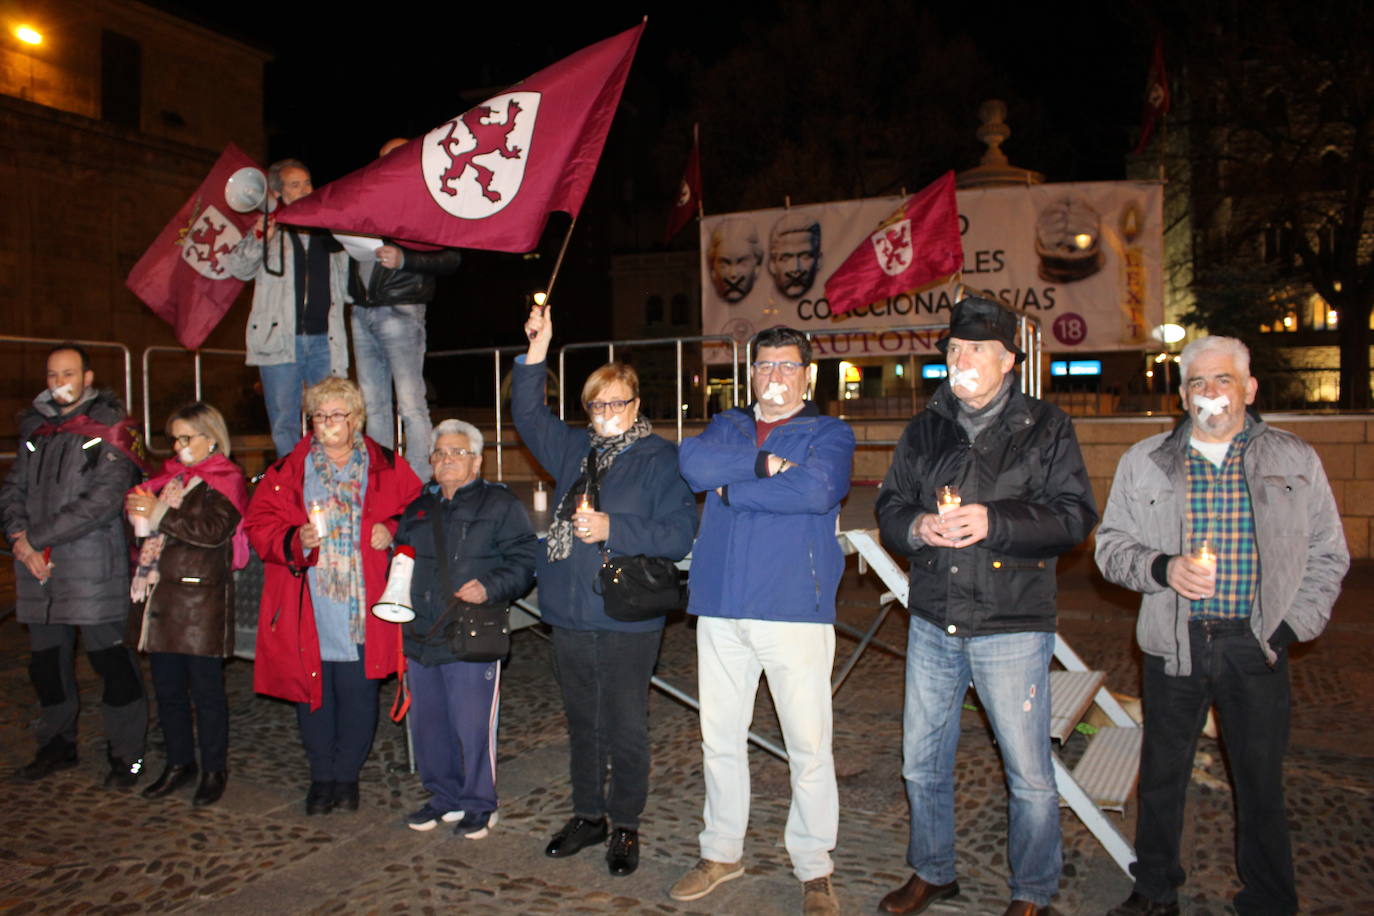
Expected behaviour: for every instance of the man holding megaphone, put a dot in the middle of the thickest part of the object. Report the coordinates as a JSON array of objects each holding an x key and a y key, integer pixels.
[{"x": 296, "y": 333}]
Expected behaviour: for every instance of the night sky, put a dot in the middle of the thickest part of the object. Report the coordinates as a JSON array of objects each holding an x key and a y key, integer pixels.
[{"x": 340, "y": 86}]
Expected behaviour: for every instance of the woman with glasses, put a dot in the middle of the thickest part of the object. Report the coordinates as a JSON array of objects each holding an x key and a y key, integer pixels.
[
  {"x": 617, "y": 490},
  {"x": 190, "y": 519},
  {"x": 322, "y": 519}
]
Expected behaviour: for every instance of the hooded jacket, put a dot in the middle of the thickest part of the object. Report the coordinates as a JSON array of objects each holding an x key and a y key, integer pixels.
[
  {"x": 287, "y": 662},
  {"x": 1298, "y": 532},
  {"x": 1026, "y": 468},
  {"x": 66, "y": 490}
]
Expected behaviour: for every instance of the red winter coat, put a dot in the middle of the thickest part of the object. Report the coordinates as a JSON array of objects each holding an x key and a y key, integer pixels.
[{"x": 288, "y": 648}]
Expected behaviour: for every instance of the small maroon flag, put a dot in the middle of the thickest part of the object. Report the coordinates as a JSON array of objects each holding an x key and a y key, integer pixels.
[
  {"x": 688, "y": 202},
  {"x": 182, "y": 276},
  {"x": 917, "y": 244},
  {"x": 490, "y": 177},
  {"x": 1156, "y": 96}
]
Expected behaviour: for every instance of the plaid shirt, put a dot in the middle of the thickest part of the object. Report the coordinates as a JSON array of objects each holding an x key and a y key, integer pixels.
[{"x": 1219, "y": 510}]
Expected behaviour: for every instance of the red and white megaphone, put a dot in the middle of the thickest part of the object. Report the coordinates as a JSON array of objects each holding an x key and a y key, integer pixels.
[{"x": 394, "y": 606}]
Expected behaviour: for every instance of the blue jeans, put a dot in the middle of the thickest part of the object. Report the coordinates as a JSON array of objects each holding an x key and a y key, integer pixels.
[
  {"x": 283, "y": 383},
  {"x": 338, "y": 735},
  {"x": 1011, "y": 674},
  {"x": 389, "y": 345}
]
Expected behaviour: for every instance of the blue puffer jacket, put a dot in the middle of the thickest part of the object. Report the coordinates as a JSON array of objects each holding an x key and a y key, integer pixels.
[
  {"x": 652, "y": 510},
  {"x": 767, "y": 548}
]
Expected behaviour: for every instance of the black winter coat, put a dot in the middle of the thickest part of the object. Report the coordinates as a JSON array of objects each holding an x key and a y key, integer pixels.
[
  {"x": 489, "y": 538},
  {"x": 67, "y": 492},
  {"x": 1026, "y": 468},
  {"x": 411, "y": 284}
]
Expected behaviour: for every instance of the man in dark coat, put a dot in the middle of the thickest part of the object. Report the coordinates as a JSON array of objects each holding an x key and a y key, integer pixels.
[
  {"x": 60, "y": 506},
  {"x": 982, "y": 596}
]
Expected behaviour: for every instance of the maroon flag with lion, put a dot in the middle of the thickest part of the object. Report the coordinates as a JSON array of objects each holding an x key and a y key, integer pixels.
[
  {"x": 182, "y": 277},
  {"x": 490, "y": 177},
  {"x": 915, "y": 245}
]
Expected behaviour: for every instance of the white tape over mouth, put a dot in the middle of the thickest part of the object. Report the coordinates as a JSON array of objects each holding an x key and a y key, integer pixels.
[
  {"x": 609, "y": 426},
  {"x": 64, "y": 393},
  {"x": 185, "y": 456},
  {"x": 1206, "y": 407},
  {"x": 774, "y": 392},
  {"x": 964, "y": 378}
]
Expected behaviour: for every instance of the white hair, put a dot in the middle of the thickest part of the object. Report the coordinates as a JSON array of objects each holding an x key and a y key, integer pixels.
[
  {"x": 457, "y": 428},
  {"x": 1227, "y": 346}
]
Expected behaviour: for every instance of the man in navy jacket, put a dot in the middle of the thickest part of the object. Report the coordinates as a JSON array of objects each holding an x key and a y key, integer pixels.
[{"x": 765, "y": 569}]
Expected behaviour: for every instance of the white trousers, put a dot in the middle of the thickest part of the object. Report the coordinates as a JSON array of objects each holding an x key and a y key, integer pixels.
[{"x": 797, "y": 657}]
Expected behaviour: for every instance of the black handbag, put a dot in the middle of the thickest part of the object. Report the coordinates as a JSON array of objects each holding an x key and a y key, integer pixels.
[
  {"x": 473, "y": 632},
  {"x": 640, "y": 588}
]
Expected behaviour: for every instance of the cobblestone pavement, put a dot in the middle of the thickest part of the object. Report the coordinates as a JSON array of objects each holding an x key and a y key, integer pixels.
[{"x": 68, "y": 845}]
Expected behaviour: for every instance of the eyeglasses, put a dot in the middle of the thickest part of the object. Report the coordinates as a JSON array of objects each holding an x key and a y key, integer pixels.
[
  {"x": 183, "y": 441},
  {"x": 451, "y": 454},
  {"x": 334, "y": 418},
  {"x": 786, "y": 367},
  {"x": 612, "y": 406}
]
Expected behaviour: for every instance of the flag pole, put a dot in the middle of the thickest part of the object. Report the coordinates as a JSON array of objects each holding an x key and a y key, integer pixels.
[{"x": 558, "y": 264}]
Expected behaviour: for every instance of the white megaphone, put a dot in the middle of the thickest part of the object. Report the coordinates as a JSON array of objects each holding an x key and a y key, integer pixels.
[
  {"x": 246, "y": 190},
  {"x": 394, "y": 606}
]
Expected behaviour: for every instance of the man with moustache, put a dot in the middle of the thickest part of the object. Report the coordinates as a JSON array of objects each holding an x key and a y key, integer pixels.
[
  {"x": 982, "y": 598},
  {"x": 1215, "y": 627},
  {"x": 61, "y": 509},
  {"x": 296, "y": 335},
  {"x": 389, "y": 297},
  {"x": 733, "y": 256},
  {"x": 794, "y": 253},
  {"x": 765, "y": 569}
]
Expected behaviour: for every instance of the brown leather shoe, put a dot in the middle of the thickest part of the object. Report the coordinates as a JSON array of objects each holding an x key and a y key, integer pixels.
[
  {"x": 1025, "y": 908},
  {"x": 916, "y": 895}
]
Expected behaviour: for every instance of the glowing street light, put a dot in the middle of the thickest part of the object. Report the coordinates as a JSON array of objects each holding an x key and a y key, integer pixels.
[{"x": 28, "y": 35}]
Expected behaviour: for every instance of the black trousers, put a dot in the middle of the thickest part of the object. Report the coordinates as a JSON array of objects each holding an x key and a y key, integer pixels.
[
  {"x": 338, "y": 735},
  {"x": 604, "y": 677},
  {"x": 179, "y": 683},
  {"x": 1252, "y": 700}
]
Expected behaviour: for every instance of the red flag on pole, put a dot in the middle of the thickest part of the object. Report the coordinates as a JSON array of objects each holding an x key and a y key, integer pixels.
[
  {"x": 688, "y": 203},
  {"x": 490, "y": 177},
  {"x": 917, "y": 244},
  {"x": 1156, "y": 96},
  {"x": 182, "y": 276}
]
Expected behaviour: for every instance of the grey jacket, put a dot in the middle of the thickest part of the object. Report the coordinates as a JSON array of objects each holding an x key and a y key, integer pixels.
[
  {"x": 1302, "y": 551},
  {"x": 67, "y": 492},
  {"x": 271, "y": 337}
]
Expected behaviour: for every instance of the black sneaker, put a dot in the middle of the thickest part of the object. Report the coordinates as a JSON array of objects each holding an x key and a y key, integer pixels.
[
  {"x": 476, "y": 826},
  {"x": 57, "y": 754},
  {"x": 428, "y": 817}
]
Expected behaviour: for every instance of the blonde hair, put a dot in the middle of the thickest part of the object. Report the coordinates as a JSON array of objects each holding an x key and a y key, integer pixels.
[
  {"x": 205, "y": 420},
  {"x": 341, "y": 388},
  {"x": 611, "y": 372}
]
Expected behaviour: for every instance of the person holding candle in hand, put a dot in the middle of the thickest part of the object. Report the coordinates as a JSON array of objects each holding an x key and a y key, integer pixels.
[
  {"x": 194, "y": 512},
  {"x": 317, "y": 644},
  {"x": 982, "y": 597},
  {"x": 1229, "y": 530},
  {"x": 617, "y": 489}
]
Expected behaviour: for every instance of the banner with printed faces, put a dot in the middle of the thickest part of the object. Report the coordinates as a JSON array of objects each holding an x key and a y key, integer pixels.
[{"x": 1085, "y": 259}]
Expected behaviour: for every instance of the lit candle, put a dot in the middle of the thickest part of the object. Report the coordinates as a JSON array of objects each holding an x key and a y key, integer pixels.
[
  {"x": 947, "y": 499},
  {"x": 318, "y": 518},
  {"x": 584, "y": 504},
  {"x": 1204, "y": 555}
]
